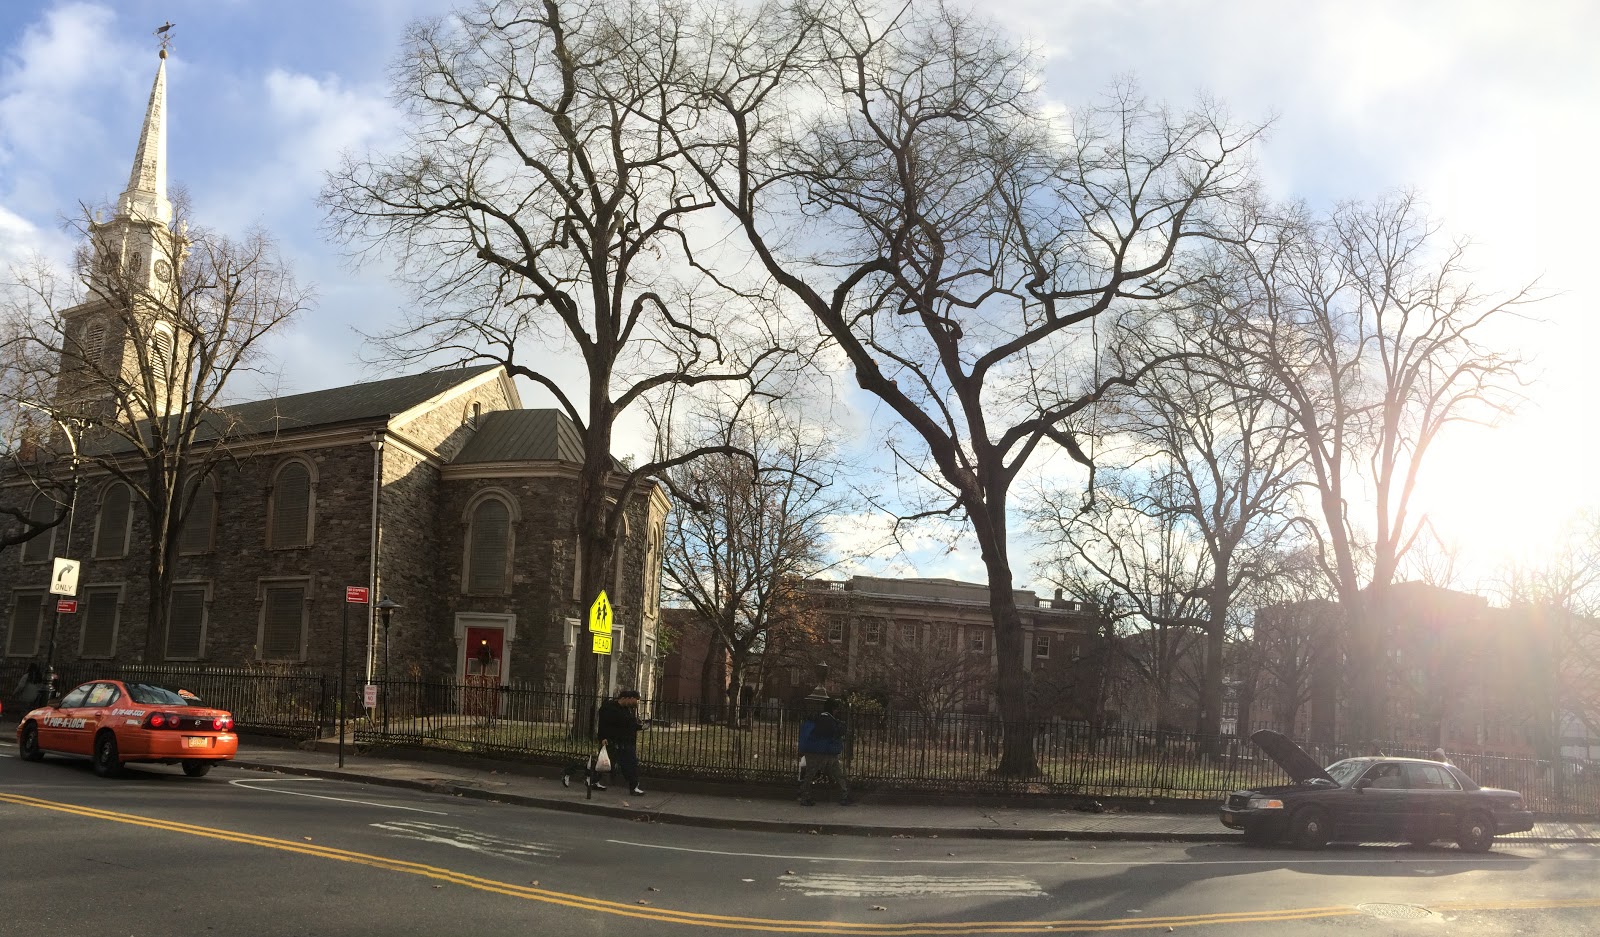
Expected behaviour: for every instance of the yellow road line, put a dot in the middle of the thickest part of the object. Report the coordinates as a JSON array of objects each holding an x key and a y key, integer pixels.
[{"x": 726, "y": 922}]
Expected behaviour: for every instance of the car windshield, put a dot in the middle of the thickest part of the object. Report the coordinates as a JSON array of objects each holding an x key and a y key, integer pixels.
[
  {"x": 154, "y": 695},
  {"x": 1346, "y": 771}
]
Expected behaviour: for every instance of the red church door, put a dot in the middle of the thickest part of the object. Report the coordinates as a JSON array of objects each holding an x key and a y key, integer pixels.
[{"x": 481, "y": 680}]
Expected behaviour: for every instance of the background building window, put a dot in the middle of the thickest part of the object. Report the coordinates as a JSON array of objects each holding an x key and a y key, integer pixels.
[
  {"x": 977, "y": 641},
  {"x": 186, "y": 623},
  {"x": 100, "y": 615},
  {"x": 41, "y": 548},
  {"x": 873, "y": 633},
  {"x": 283, "y": 622},
  {"x": 291, "y": 506},
  {"x": 27, "y": 614},
  {"x": 111, "y": 531},
  {"x": 836, "y": 632},
  {"x": 490, "y": 547},
  {"x": 196, "y": 534},
  {"x": 908, "y": 634},
  {"x": 1041, "y": 646}
]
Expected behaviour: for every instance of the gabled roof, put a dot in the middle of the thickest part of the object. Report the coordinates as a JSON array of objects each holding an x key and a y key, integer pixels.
[
  {"x": 522, "y": 435},
  {"x": 353, "y": 402}
]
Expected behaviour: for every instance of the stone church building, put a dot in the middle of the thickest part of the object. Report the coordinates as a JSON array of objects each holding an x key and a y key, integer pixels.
[{"x": 437, "y": 490}]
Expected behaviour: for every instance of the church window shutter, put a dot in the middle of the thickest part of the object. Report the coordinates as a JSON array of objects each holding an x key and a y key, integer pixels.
[
  {"x": 291, "y": 506},
  {"x": 100, "y": 623},
  {"x": 111, "y": 535},
  {"x": 27, "y": 613},
  {"x": 94, "y": 339},
  {"x": 283, "y": 625},
  {"x": 161, "y": 357},
  {"x": 40, "y": 548},
  {"x": 196, "y": 534},
  {"x": 186, "y": 624},
  {"x": 491, "y": 545}
]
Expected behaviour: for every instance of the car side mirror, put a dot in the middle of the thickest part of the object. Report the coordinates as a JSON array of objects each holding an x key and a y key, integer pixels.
[{"x": 1363, "y": 784}]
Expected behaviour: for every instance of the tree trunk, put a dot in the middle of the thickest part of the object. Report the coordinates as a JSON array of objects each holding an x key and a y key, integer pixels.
[
  {"x": 594, "y": 548},
  {"x": 712, "y": 670}
]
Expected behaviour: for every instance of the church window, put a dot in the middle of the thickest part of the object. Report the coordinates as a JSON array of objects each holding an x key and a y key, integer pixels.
[
  {"x": 41, "y": 548},
  {"x": 186, "y": 623},
  {"x": 489, "y": 548},
  {"x": 195, "y": 536},
  {"x": 161, "y": 357},
  {"x": 94, "y": 339},
  {"x": 283, "y": 622},
  {"x": 290, "y": 521},
  {"x": 111, "y": 528},
  {"x": 99, "y": 638},
  {"x": 27, "y": 615}
]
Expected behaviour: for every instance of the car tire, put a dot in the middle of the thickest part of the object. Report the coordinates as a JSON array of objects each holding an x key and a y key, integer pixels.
[
  {"x": 196, "y": 769},
  {"x": 107, "y": 760},
  {"x": 1309, "y": 828},
  {"x": 28, "y": 746},
  {"x": 1476, "y": 833}
]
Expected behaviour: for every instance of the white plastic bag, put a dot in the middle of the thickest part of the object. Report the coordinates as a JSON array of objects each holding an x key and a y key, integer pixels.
[{"x": 602, "y": 761}]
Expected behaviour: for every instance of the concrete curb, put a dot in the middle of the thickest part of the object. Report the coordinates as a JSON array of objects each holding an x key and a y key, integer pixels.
[{"x": 723, "y": 823}]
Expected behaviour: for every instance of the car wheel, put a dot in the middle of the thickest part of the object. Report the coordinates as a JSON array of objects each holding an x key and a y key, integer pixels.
[
  {"x": 1309, "y": 829},
  {"x": 28, "y": 746},
  {"x": 107, "y": 762},
  {"x": 1477, "y": 833},
  {"x": 196, "y": 769}
]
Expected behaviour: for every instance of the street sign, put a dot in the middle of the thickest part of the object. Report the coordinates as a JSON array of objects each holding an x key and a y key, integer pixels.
[
  {"x": 602, "y": 644},
  {"x": 355, "y": 595},
  {"x": 369, "y": 696},
  {"x": 600, "y": 618},
  {"x": 66, "y": 606},
  {"x": 64, "y": 577}
]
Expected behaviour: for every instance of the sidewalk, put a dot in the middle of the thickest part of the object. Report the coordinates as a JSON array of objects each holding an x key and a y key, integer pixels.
[{"x": 719, "y": 811}]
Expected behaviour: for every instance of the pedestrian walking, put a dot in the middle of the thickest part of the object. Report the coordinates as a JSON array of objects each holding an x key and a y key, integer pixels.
[
  {"x": 618, "y": 729},
  {"x": 31, "y": 689},
  {"x": 821, "y": 743}
]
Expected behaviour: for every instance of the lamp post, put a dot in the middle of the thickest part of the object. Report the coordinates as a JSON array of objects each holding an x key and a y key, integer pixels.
[
  {"x": 66, "y": 547},
  {"x": 386, "y": 607}
]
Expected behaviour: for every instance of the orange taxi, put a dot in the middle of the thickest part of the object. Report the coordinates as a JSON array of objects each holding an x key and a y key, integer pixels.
[{"x": 113, "y": 722}]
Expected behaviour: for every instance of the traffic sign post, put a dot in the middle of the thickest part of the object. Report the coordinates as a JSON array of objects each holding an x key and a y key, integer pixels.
[
  {"x": 353, "y": 595},
  {"x": 602, "y": 644}
]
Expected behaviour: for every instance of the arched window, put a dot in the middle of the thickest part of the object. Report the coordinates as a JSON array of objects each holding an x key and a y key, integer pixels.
[
  {"x": 290, "y": 521},
  {"x": 111, "y": 527},
  {"x": 196, "y": 534},
  {"x": 161, "y": 356},
  {"x": 42, "y": 547},
  {"x": 489, "y": 548},
  {"x": 94, "y": 339}
]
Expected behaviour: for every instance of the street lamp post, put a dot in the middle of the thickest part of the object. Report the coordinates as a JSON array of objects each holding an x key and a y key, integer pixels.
[
  {"x": 386, "y": 607},
  {"x": 66, "y": 546}
]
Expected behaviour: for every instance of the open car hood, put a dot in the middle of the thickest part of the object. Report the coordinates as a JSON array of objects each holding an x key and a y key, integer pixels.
[{"x": 1290, "y": 757}]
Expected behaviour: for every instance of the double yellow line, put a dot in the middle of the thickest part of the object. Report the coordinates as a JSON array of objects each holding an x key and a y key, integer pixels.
[{"x": 693, "y": 919}]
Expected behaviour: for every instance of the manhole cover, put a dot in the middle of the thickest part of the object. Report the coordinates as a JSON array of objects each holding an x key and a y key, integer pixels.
[{"x": 1392, "y": 910}]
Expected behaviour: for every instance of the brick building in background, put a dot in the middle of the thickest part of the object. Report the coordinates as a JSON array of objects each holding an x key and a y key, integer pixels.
[{"x": 437, "y": 490}]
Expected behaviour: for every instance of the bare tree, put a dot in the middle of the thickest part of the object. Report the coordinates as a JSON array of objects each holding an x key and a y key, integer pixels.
[
  {"x": 745, "y": 535},
  {"x": 899, "y": 177},
  {"x": 1368, "y": 332},
  {"x": 1200, "y": 501},
  {"x": 537, "y": 207},
  {"x": 138, "y": 354}
]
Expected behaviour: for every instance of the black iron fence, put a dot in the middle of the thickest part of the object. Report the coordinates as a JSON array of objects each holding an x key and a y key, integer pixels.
[
  {"x": 908, "y": 751},
  {"x": 291, "y": 704}
]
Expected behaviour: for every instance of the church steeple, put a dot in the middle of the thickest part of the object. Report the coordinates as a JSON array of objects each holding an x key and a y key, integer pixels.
[{"x": 146, "y": 195}]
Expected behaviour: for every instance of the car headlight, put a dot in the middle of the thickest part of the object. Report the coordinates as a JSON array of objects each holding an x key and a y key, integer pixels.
[{"x": 1265, "y": 803}]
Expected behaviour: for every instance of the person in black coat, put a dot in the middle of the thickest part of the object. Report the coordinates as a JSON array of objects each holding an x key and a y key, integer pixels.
[{"x": 618, "y": 729}]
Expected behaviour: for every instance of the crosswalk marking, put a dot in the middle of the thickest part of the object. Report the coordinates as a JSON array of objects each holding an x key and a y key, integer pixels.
[
  {"x": 467, "y": 839},
  {"x": 832, "y": 885}
]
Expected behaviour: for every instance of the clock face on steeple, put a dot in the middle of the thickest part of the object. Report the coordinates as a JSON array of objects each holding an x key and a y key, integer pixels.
[{"x": 163, "y": 271}]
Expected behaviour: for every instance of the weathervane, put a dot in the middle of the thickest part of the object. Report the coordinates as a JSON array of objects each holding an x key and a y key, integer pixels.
[{"x": 164, "y": 33}]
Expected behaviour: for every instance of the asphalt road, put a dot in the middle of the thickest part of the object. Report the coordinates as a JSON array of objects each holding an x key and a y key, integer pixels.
[{"x": 246, "y": 853}]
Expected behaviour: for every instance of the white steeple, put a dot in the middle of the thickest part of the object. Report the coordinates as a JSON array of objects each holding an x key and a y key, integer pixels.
[{"x": 145, "y": 198}]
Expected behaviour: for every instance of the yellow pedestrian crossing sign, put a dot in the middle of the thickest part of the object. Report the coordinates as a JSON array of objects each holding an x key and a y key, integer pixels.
[
  {"x": 602, "y": 644},
  {"x": 600, "y": 618}
]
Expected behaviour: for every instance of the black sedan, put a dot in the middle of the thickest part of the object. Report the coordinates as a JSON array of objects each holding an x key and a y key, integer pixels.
[{"x": 1377, "y": 799}]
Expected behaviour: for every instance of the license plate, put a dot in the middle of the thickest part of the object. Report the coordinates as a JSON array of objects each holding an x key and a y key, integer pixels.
[{"x": 197, "y": 741}]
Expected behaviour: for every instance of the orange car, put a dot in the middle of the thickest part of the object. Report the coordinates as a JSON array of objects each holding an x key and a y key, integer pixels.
[{"x": 114, "y": 722}]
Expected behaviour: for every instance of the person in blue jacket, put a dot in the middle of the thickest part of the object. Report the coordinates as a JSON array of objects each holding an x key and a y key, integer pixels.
[{"x": 821, "y": 744}]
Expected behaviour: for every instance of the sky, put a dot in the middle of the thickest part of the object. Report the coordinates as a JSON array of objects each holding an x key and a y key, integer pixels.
[{"x": 1487, "y": 109}]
